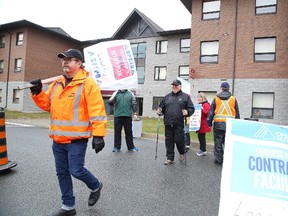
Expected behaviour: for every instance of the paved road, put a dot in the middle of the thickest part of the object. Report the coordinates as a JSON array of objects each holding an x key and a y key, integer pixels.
[{"x": 134, "y": 183}]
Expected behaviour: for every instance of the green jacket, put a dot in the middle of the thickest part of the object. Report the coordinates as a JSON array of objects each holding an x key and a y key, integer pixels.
[{"x": 124, "y": 103}]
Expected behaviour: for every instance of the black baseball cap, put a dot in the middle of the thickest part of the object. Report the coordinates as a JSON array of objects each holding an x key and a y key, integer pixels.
[
  {"x": 71, "y": 53},
  {"x": 176, "y": 82}
]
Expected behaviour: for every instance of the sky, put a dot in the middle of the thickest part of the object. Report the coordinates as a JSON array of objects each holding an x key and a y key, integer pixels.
[{"x": 94, "y": 19}]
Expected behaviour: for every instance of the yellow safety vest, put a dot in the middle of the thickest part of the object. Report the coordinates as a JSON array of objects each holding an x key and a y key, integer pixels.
[
  {"x": 224, "y": 109},
  {"x": 77, "y": 111}
]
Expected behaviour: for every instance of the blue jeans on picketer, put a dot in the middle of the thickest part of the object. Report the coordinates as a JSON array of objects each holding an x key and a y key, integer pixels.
[{"x": 69, "y": 161}]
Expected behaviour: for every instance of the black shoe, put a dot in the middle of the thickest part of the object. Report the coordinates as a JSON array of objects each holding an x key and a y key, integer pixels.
[
  {"x": 217, "y": 162},
  {"x": 94, "y": 196},
  {"x": 63, "y": 212}
]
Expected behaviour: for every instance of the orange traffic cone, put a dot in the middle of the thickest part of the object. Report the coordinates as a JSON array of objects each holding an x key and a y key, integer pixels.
[{"x": 4, "y": 162}]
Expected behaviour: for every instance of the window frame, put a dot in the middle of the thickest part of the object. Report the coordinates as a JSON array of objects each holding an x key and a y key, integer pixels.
[
  {"x": 16, "y": 97},
  {"x": 157, "y": 72},
  {"x": 160, "y": 49},
  {"x": 184, "y": 76},
  {"x": 258, "y": 8},
  {"x": 20, "y": 39},
  {"x": 2, "y": 41},
  {"x": 185, "y": 49},
  {"x": 216, "y": 12},
  {"x": 212, "y": 55},
  {"x": 264, "y": 109},
  {"x": 18, "y": 68},
  {"x": 156, "y": 101},
  {"x": 139, "y": 59},
  {"x": 258, "y": 54},
  {"x": 1, "y": 66}
]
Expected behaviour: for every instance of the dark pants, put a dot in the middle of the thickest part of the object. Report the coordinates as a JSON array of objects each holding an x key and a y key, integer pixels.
[
  {"x": 125, "y": 122},
  {"x": 69, "y": 161},
  {"x": 202, "y": 141},
  {"x": 174, "y": 135},
  {"x": 219, "y": 142}
]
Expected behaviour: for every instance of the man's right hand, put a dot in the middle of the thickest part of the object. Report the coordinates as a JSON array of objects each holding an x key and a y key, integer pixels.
[
  {"x": 159, "y": 112},
  {"x": 37, "y": 88}
]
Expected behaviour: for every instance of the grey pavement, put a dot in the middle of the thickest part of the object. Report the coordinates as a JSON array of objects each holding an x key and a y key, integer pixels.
[{"x": 134, "y": 183}]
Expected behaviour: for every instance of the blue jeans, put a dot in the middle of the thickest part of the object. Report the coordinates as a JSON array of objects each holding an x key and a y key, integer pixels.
[{"x": 69, "y": 161}]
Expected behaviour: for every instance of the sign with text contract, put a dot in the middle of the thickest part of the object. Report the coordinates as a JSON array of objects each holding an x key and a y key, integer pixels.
[{"x": 255, "y": 170}]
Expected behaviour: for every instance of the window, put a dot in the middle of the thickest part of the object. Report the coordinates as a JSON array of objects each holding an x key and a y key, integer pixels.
[
  {"x": 0, "y": 95},
  {"x": 266, "y": 6},
  {"x": 209, "y": 52},
  {"x": 210, "y": 95},
  {"x": 161, "y": 47},
  {"x": 265, "y": 49},
  {"x": 185, "y": 45},
  {"x": 139, "y": 53},
  {"x": 156, "y": 102},
  {"x": 211, "y": 9},
  {"x": 20, "y": 37},
  {"x": 160, "y": 73},
  {"x": 16, "y": 96},
  {"x": 18, "y": 65},
  {"x": 262, "y": 105},
  {"x": 184, "y": 72},
  {"x": 1, "y": 66},
  {"x": 2, "y": 41}
]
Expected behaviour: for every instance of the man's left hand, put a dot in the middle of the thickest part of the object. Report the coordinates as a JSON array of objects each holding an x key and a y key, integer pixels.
[{"x": 98, "y": 143}]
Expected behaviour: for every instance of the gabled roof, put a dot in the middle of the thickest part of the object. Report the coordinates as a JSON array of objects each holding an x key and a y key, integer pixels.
[
  {"x": 187, "y": 4},
  {"x": 137, "y": 25},
  {"x": 24, "y": 23},
  {"x": 175, "y": 32},
  {"x": 59, "y": 30}
]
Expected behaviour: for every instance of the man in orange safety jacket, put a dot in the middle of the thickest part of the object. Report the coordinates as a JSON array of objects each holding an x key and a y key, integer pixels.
[
  {"x": 77, "y": 113},
  {"x": 222, "y": 107}
]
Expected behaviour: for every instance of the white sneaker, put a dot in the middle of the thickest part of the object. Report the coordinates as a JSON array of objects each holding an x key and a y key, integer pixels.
[
  {"x": 201, "y": 153},
  {"x": 168, "y": 162}
]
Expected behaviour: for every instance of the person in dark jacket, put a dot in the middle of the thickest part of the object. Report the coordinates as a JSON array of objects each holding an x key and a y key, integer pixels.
[
  {"x": 204, "y": 128},
  {"x": 125, "y": 106},
  {"x": 223, "y": 106},
  {"x": 175, "y": 106}
]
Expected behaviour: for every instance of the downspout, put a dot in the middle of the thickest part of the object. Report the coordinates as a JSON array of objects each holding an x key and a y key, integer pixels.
[
  {"x": 8, "y": 72},
  {"x": 235, "y": 47}
]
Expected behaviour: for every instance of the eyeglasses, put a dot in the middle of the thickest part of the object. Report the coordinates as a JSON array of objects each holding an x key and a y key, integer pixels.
[{"x": 69, "y": 59}]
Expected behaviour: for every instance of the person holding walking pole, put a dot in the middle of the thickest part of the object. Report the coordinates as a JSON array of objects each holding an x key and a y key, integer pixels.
[
  {"x": 175, "y": 106},
  {"x": 77, "y": 113}
]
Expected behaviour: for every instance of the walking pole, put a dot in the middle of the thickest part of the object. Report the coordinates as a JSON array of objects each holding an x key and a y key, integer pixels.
[
  {"x": 185, "y": 140},
  {"x": 157, "y": 138}
]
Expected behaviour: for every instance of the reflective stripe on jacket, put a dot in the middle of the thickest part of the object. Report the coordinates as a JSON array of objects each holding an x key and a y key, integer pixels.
[
  {"x": 77, "y": 110},
  {"x": 224, "y": 109}
]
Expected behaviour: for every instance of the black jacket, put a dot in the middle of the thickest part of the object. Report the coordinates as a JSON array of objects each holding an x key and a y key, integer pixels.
[{"x": 172, "y": 106}]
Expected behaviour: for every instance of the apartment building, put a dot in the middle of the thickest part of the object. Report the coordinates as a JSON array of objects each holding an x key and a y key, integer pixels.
[
  {"x": 29, "y": 51},
  {"x": 243, "y": 42},
  {"x": 160, "y": 56}
]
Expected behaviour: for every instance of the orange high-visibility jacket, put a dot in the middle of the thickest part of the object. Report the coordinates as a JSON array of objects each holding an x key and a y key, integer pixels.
[
  {"x": 224, "y": 109},
  {"x": 77, "y": 111}
]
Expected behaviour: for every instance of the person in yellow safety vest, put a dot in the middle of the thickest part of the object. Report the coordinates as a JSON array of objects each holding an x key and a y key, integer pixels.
[
  {"x": 77, "y": 113},
  {"x": 222, "y": 107}
]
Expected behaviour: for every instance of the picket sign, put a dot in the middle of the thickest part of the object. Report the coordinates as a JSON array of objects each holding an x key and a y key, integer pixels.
[
  {"x": 195, "y": 119},
  {"x": 255, "y": 170},
  {"x": 111, "y": 64}
]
